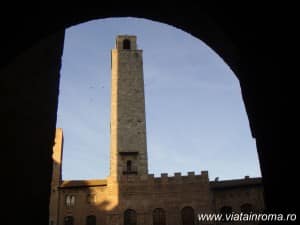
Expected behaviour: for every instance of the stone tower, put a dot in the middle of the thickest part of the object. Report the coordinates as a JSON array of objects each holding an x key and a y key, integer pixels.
[{"x": 128, "y": 151}]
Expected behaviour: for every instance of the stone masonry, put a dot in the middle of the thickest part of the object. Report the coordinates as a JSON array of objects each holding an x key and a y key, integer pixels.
[{"x": 129, "y": 195}]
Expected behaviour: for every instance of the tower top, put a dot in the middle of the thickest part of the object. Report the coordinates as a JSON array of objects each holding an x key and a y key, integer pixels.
[{"x": 126, "y": 42}]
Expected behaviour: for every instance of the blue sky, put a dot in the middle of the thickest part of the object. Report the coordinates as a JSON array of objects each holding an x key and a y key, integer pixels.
[{"x": 195, "y": 116}]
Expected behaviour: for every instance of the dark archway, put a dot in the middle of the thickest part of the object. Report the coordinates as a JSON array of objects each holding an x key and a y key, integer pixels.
[
  {"x": 247, "y": 208},
  {"x": 188, "y": 216},
  {"x": 130, "y": 217},
  {"x": 126, "y": 44},
  {"x": 225, "y": 212},
  {"x": 91, "y": 220},
  {"x": 159, "y": 216},
  {"x": 246, "y": 43}
]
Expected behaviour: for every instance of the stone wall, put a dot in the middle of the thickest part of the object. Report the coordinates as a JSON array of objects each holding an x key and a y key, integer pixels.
[
  {"x": 170, "y": 193},
  {"x": 128, "y": 122}
]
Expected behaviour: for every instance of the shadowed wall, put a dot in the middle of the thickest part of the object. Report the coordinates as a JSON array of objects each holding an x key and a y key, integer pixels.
[{"x": 247, "y": 39}]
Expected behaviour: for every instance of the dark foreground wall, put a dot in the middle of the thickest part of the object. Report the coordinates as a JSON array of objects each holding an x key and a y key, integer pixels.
[
  {"x": 31, "y": 97},
  {"x": 246, "y": 38}
]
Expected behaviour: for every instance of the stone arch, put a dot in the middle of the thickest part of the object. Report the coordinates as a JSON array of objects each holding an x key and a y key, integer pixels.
[
  {"x": 130, "y": 217},
  {"x": 237, "y": 45},
  {"x": 159, "y": 216}
]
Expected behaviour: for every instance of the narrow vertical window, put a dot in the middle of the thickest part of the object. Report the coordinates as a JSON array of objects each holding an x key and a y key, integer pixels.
[
  {"x": 70, "y": 201},
  {"x": 126, "y": 44},
  {"x": 129, "y": 166}
]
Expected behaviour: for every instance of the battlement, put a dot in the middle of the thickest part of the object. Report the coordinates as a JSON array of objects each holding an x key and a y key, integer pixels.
[
  {"x": 164, "y": 178},
  {"x": 179, "y": 177}
]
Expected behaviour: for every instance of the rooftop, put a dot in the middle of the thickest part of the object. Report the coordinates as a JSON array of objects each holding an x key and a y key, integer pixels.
[{"x": 82, "y": 183}]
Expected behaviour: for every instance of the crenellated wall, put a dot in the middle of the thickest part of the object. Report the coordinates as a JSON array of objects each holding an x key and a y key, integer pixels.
[
  {"x": 108, "y": 201},
  {"x": 170, "y": 193},
  {"x": 142, "y": 194},
  {"x": 164, "y": 178}
]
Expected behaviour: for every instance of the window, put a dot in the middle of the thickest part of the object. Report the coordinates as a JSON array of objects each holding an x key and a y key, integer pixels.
[
  {"x": 91, "y": 198},
  {"x": 70, "y": 201},
  {"x": 68, "y": 220},
  {"x": 187, "y": 215},
  {"x": 159, "y": 217},
  {"x": 130, "y": 217},
  {"x": 225, "y": 210},
  {"x": 246, "y": 208},
  {"x": 129, "y": 166},
  {"x": 126, "y": 44},
  {"x": 91, "y": 220}
]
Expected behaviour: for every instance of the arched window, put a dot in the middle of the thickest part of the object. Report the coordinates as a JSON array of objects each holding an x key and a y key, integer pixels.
[
  {"x": 225, "y": 210},
  {"x": 70, "y": 201},
  {"x": 91, "y": 220},
  {"x": 126, "y": 44},
  {"x": 187, "y": 215},
  {"x": 69, "y": 220},
  {"x": 246, "y": 208},
  {"x": 130, "y": 217},
  {"x": 129, "y": 165},
  {"x": 91, "y": 198},
  {"x": 159, "y": 217}
]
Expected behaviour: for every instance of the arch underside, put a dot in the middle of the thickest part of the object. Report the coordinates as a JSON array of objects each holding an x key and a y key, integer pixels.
[{"x": 244, "y": 42}]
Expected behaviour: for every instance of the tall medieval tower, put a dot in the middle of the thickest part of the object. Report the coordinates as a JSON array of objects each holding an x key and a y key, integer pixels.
[{"x": 128, "y": 150}]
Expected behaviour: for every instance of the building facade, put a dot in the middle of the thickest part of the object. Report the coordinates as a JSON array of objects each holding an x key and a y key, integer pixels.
[{"x": 130, "y": 195}]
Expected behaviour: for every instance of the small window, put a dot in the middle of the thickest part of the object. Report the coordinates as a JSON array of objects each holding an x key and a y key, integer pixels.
[
  {"x": 91, "y": 198},
  {"x": 91, "y": 220},
  {"x": 129, "y": 166},
  {"x": 126, "y": 44},
  {"x": 70, "y": 201},
  {"x": 130, "y": 217},
  {"x": 69, "y": 220}
]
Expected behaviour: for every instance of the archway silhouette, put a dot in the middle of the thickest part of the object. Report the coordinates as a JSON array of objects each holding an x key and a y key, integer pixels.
[{"x": 235, "y": 44}]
